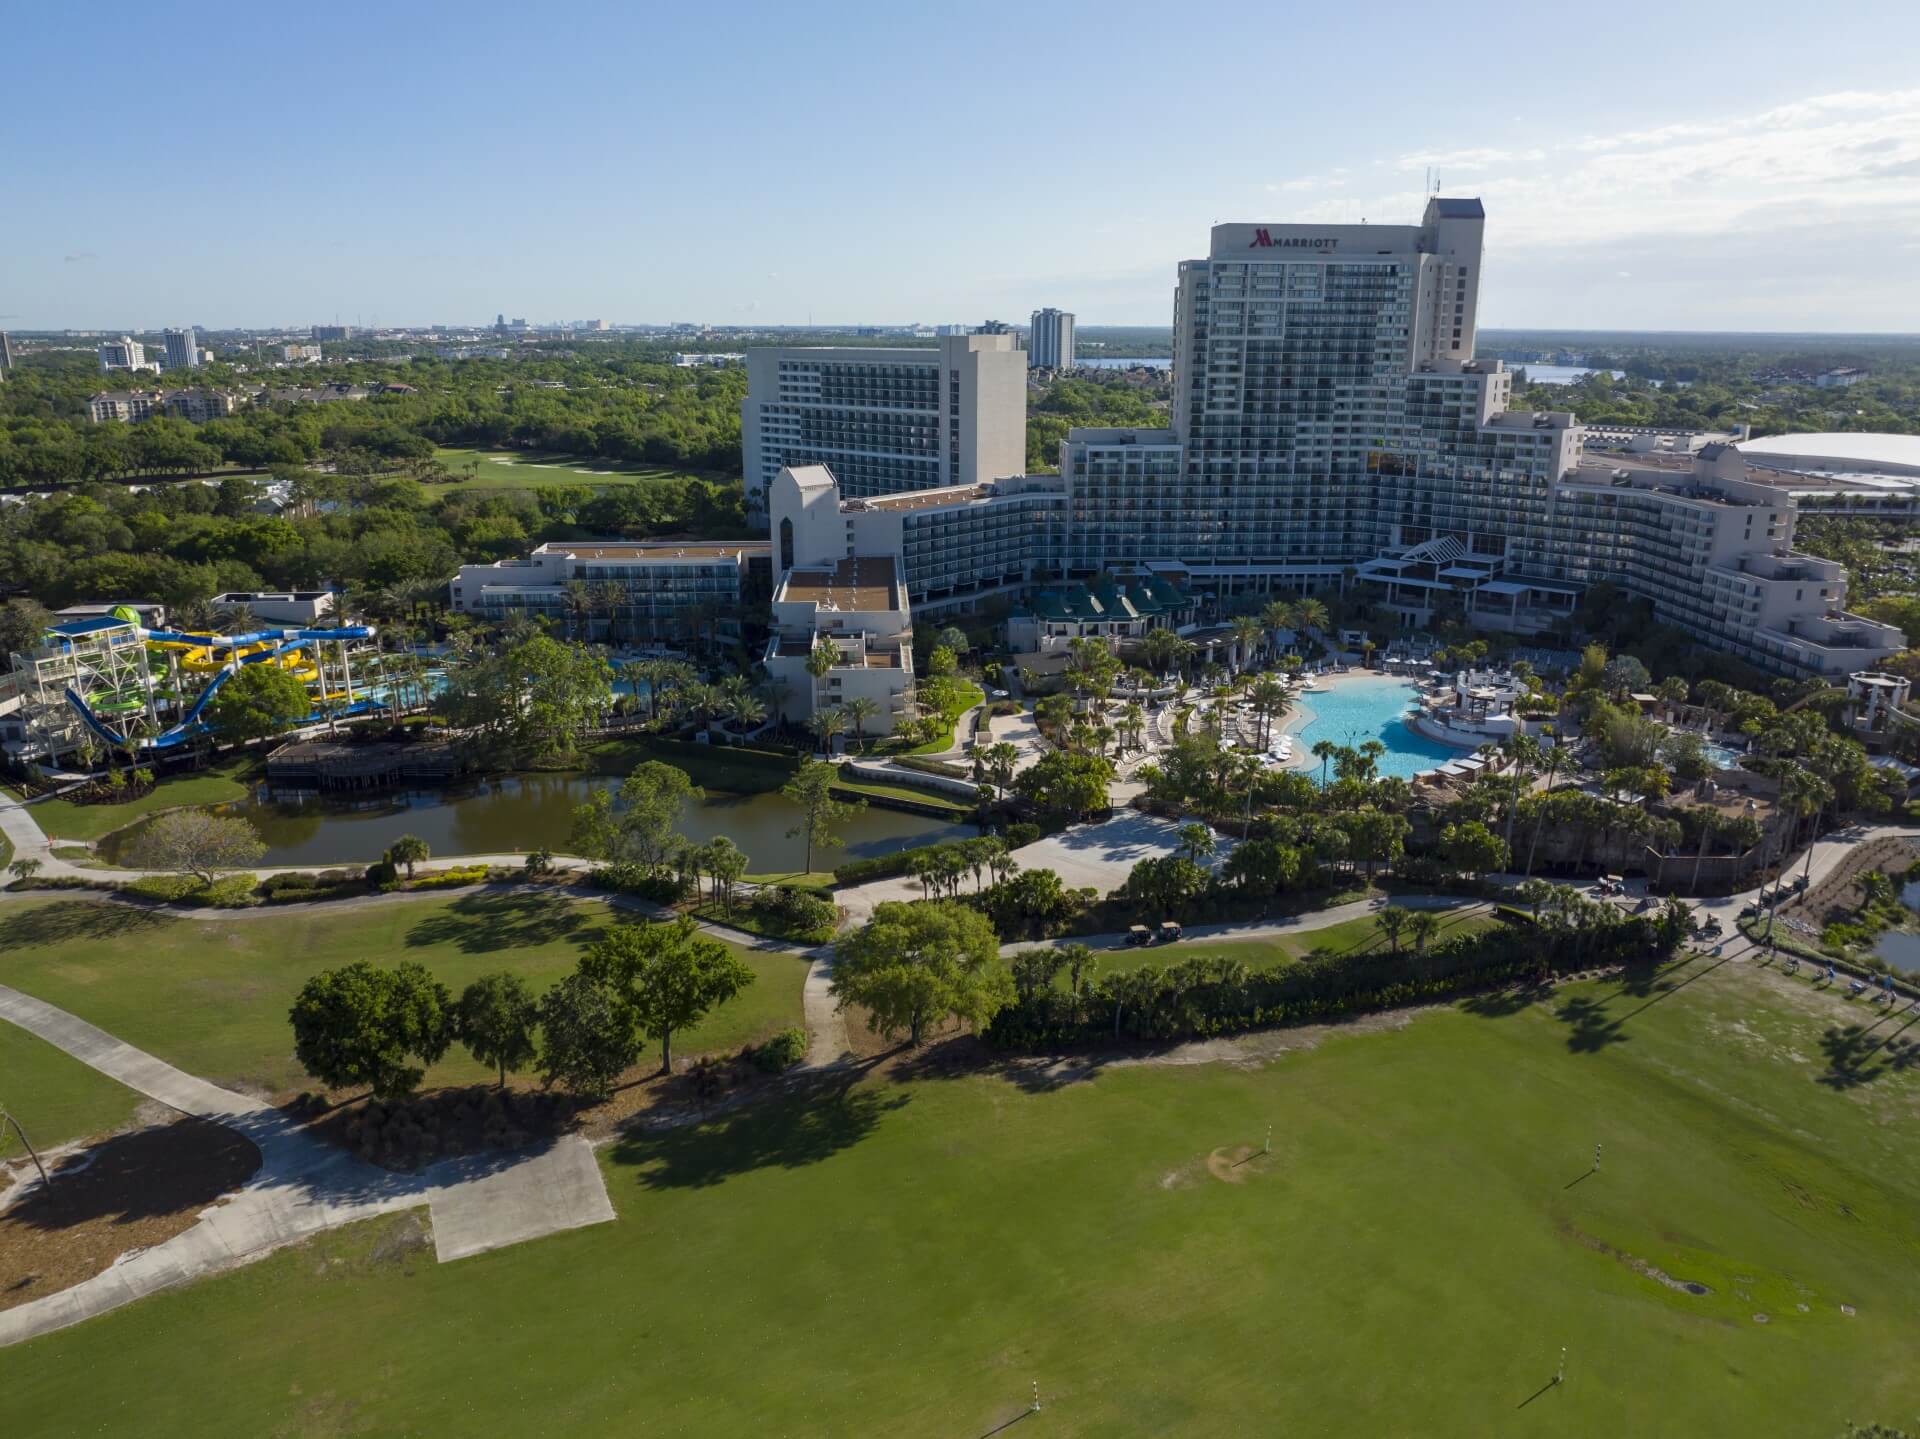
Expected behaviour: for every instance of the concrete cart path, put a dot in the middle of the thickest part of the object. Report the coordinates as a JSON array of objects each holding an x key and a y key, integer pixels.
[{"x": 303, "y": 1186}]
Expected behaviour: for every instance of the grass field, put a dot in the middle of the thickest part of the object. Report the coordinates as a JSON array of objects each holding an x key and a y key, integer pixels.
[
  {"x": 1352, "y": 934},
  {"x": 911, "y": 1256},
  {"x": 54, "y": 1095},
  {"x": 211, "y": 996},
  {"x": 231, "y": 779},
  {"x": 504, "y": 470}
]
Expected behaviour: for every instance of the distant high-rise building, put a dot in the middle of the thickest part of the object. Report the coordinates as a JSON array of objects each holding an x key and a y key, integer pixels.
[
  {"x": 124, "y": 354},
  {"x": 183, "y": 351},
  {"x": 6, "y": 355},
  {"x": 993, "y": 327},
  {"x": 335, "y": 333},
  {"x": 1050, "y": 345}
]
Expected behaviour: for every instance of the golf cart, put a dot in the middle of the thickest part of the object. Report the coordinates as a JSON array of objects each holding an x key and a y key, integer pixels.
[
  {"x": 1139, "y": 934},
  {"x": 1169, "y": 931}
]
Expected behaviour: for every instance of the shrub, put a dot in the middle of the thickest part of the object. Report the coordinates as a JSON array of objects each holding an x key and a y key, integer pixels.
[
  {"x": 452, "y": 878},
  {"x": 792, "y": 906},
  {"x": 782, "y": 1052},
  {"x": 1022, "y": 832},
  {"x": 933, "y": 766},
  {"x": 383, "y": 875},
  {"x": 633, "y": 879},
  {"x": 236, "y": 891}
]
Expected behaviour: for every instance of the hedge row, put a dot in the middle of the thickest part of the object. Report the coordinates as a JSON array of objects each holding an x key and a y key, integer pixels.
[{"x": 1203, "y": 998}]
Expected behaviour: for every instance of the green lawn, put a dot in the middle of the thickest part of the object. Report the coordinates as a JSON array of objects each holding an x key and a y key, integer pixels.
[
  {"x": 503, "y": 469},
  {"x": 1348, "y": 935},
  {"x": 54, "y": 1095},
  {"x": 910, "y": 1256},
  {"x": 212, "y": 996},
  {"x": 231, "y": 779},
  {"x": 863, "y": 789}
]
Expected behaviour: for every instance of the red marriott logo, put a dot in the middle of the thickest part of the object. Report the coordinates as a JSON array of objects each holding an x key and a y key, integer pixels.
[{"x": 1263, "y": 240}]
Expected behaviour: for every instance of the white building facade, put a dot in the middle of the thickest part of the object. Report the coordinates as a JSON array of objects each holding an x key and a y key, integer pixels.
[
  {"x": 182, "y": 349},
  {"x": 886, "y": 420},
  {"x": 1050, "y": 340}
]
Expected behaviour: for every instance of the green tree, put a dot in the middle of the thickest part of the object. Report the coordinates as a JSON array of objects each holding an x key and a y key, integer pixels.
[
  {"x": 724, "y": 861},
  {"x": 1472, "y": 848},
  {"x": 22, "y": 622},
  {"x": 1074, "y": 785},
  {"x": 262, "y": 700},
  {"x": 811, "y": 792},
  {"x": 495, "y": 1020},
  {"x": 1196, "y": 842},
  {"x": 669, "y": 975},
  {"x": 197, "y": 842},
  {"x": 378, "y": 1027},
  {"x": 913, "y": 964},
  {"x": 642, "y": 825},
  {"x": 409, "y": 850},
  {"x": 587, "y": 1035}
]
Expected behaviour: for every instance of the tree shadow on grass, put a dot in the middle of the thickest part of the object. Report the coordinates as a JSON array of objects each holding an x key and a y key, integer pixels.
[
  {"x": 820, "y": 1121},
  {"x": 144, "y": 1174},
  {"x": 1855, "y": 1057},
  {"x": 489, "y": 923},
  {"x": 1591, "y": 1028},
  {"x": 71, "y": 920},
  {"x": 1503, "y": 1003}
]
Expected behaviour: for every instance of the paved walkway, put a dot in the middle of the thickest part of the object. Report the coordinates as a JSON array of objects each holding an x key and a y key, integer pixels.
[{"x": 303, "y": 1185}]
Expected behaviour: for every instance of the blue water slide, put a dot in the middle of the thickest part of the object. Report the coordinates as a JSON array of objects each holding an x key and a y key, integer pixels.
[{"x": 189, "y": 725}]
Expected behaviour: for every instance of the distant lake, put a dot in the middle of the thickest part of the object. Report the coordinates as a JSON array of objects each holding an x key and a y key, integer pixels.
[
  {"x": 1559, "y": 374},
  {"x": 1151, "y": 362}
]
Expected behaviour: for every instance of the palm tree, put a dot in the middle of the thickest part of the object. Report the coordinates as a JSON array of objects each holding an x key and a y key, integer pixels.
[
  {"x": 1246, "y": 634},
  {"x": 746, "y": 710},
  {"x": 1392, "y": 923},
  {"x": 826, "y": 724},
  {"x": 1277, "y": 616},
  {"x": 1311, "y": 614},
  {"x": 1422, "y": 926},
  {"x": 1324, "y": 750},
  {"x": 1803, "y": 794},
  {"x": 860, "y": 709},
  {"x": 576, "y": 598},
  {"x": 1553, "y": 768},
  {"x": 820, "y": 662},
  {"x": 607, "y": 597}
]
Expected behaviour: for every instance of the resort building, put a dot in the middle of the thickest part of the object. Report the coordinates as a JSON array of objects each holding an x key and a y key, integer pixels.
[
  {"x": 959, "y": 545},
  {"x": 858, "y": 606},
  {"x": 1330, "y": 428},
  {"x": 886, "y": 420},
  {"x": 663, "y": 592},
  {"x": 1114, "y": 613}
]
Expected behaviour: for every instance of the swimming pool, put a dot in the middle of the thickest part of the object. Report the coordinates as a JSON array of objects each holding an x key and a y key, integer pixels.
[
  {"x": 1722, "y": 757},
  {"x": 1358, "y": 708}
]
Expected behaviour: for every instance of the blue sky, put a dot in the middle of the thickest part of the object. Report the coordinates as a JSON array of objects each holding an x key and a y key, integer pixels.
[{"x": 1689, "y": 165}]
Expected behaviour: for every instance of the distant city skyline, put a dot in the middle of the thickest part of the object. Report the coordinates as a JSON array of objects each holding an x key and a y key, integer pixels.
[{"x": 442, "y": 188}]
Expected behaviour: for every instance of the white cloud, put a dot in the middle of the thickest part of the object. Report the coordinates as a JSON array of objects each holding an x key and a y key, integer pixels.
[{"x": 1847, "y": 158}]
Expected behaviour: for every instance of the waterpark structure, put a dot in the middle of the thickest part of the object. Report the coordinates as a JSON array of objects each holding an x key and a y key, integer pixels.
[{"x": 110, "y": 682}]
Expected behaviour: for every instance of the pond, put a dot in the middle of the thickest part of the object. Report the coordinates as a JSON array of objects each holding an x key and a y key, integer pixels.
[
  {"x": 519, "y": 812},
  {"x": 1900, "y": 948}
]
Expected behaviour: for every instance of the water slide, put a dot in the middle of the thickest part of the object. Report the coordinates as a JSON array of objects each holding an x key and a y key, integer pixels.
[{"x": 257, "y": 648}]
